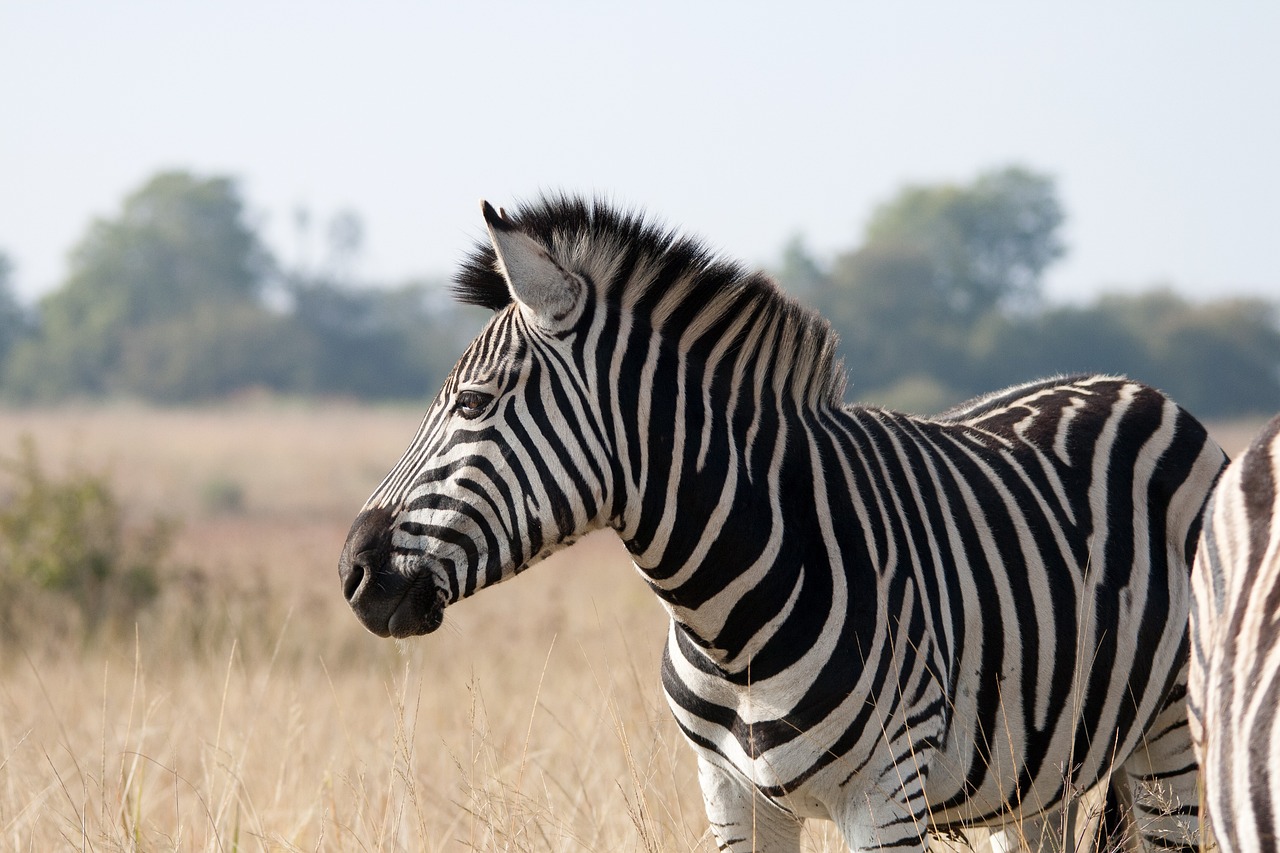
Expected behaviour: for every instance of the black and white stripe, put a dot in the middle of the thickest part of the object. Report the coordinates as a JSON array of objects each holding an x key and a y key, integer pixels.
[
  {"x": 897, "y": 623},
  {"x": 1235, "y": 665}
]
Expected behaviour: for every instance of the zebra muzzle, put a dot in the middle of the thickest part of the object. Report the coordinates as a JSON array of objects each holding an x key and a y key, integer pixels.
[{"x": 387, "y": 601}]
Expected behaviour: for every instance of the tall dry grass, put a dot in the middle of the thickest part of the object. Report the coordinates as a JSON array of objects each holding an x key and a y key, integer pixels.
[
  {"x": 546, "y": 737},
  {"x": 250, "y": 711}
]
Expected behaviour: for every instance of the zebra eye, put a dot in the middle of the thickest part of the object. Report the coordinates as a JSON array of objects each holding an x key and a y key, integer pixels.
[{"x": 472, "y": 404}]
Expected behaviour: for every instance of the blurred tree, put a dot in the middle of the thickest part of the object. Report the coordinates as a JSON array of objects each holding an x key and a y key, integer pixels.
[
  {"x": 800, "y": 272},
  {"x": 936, "y": 263},
  {"x": 345, "y": 236},
  {"x": 15, "y": 325},
  {"x": 942, "y": 301},
  {"x": 1219, "y": 358},
  {"x": 989, "y": 242},
  {"x": 1005, "y": 350},
  {"x": 214, "y": 352},
  {"x": 179, "y": 244},
  {"x": 374, "y": 342},
  {"x": 893, "y": 321},
  {"x": 168, "y": 300}
]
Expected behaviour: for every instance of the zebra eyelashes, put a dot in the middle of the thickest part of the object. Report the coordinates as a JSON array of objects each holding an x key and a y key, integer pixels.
[{"x": 472, "y": 404}]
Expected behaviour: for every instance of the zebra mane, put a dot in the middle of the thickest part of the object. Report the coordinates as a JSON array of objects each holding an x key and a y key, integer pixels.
[{"x": 649, "y": 268}]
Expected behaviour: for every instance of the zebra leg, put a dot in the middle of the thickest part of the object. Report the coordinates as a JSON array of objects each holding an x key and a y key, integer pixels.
[
  {"x": 741, "y": 817},
  {"x": 1093, "y": 822},
  {"x": 895, "y": 820},
  {"x": 1165, "y": 782},
  {"x": 885, "y": 807},
  {"x": 1056, "y": 831}
]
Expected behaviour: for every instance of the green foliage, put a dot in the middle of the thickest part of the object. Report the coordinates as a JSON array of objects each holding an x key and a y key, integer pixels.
[
  {"x": 211, "y": 353},
  {"x": 166, "y": 301},
  {"x": 921, "y": 395},
  {"x": 894, "y": 321},
  {"x": 942, "y": 302},
  {"x": 179, "y": 245},
  {"x": 377, "y": 343},
  {"x": 936, "y": 265},
  {"x": 804, "y": 276},
  {"x": 1071, "y": 339},
  {"x": 14, "y": 323},
  {"x": 1218, "y": 357},
  {"x": 988, "y": 242},
  {"x": 68, "y": 539}
]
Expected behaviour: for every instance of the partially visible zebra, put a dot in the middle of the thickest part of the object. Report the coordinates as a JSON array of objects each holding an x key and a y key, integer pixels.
[
  {"x": 900, "y": 624},
  {"x": 1235, "y": 640}
]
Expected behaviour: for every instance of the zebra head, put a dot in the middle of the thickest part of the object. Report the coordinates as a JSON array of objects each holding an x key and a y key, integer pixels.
[
  {"x": 629, "y": 377},
  {"x": 481, "y": 494}
]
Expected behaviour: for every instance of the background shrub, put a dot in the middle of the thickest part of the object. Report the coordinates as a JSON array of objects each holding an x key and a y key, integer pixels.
[{"x": 66, "y": 548}]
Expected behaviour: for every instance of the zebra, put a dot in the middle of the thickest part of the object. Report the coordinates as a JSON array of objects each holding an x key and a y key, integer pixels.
[
  {"x": 901, "y": 624},
  {"x": 1235, "y": 662}
]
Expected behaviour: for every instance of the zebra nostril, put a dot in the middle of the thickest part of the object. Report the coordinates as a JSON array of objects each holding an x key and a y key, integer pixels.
[
  {"x": 365, "y": 553},
  {"x": 353, "y": 577}
]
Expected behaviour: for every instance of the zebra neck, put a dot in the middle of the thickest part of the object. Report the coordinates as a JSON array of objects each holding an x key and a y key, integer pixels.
[{"x": 728, "y": 533}]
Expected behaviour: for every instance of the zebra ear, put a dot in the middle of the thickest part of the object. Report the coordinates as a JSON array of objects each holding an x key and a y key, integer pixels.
[{"x": 540, "y": 286}]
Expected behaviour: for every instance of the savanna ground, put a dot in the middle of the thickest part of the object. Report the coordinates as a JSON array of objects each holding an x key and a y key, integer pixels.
[{"x": 248, "y": 710}]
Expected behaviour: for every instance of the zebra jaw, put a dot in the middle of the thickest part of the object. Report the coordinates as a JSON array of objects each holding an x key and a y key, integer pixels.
[{"x": 387, "y": 601}]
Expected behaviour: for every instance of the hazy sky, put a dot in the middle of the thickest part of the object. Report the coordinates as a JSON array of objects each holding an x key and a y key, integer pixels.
[{"x": 741, "y": 122}]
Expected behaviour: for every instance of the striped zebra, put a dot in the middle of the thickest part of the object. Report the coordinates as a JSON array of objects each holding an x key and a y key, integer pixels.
[
  {"x": 1235, "y": 661},
  {"x": 899, "y": 624}
]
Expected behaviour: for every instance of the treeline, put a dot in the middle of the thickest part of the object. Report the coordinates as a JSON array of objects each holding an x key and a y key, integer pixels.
[
  {"x": 942, "y": 301},
  {"x": 177, "y": 299}
]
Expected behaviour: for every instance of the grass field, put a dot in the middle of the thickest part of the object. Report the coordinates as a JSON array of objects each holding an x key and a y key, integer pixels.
[{"x": 249, "y": 710}]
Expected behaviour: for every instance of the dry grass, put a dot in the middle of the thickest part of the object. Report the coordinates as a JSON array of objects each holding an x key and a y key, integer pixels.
[
  {"x": 250, "y": 711},
  {"x": 437, "y": 746}
]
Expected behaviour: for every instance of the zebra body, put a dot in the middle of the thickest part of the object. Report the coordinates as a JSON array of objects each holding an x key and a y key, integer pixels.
[
  {"x": 896, "y": 623},
  {"x": 990, "y": 571},
  {"x": 1235, "y": 662}
]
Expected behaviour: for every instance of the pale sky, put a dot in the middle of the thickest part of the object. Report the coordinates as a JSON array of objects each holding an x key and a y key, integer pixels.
[{"x": 741, "y": 122}]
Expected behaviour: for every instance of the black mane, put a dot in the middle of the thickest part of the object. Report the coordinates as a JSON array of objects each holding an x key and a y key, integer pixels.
[
  {"x": 561, "y": 220},
  {"x": 618, "y": 249}
]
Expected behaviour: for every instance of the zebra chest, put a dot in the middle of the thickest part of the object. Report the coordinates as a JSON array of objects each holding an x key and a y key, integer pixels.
[{"x": 800, "y": 736}]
